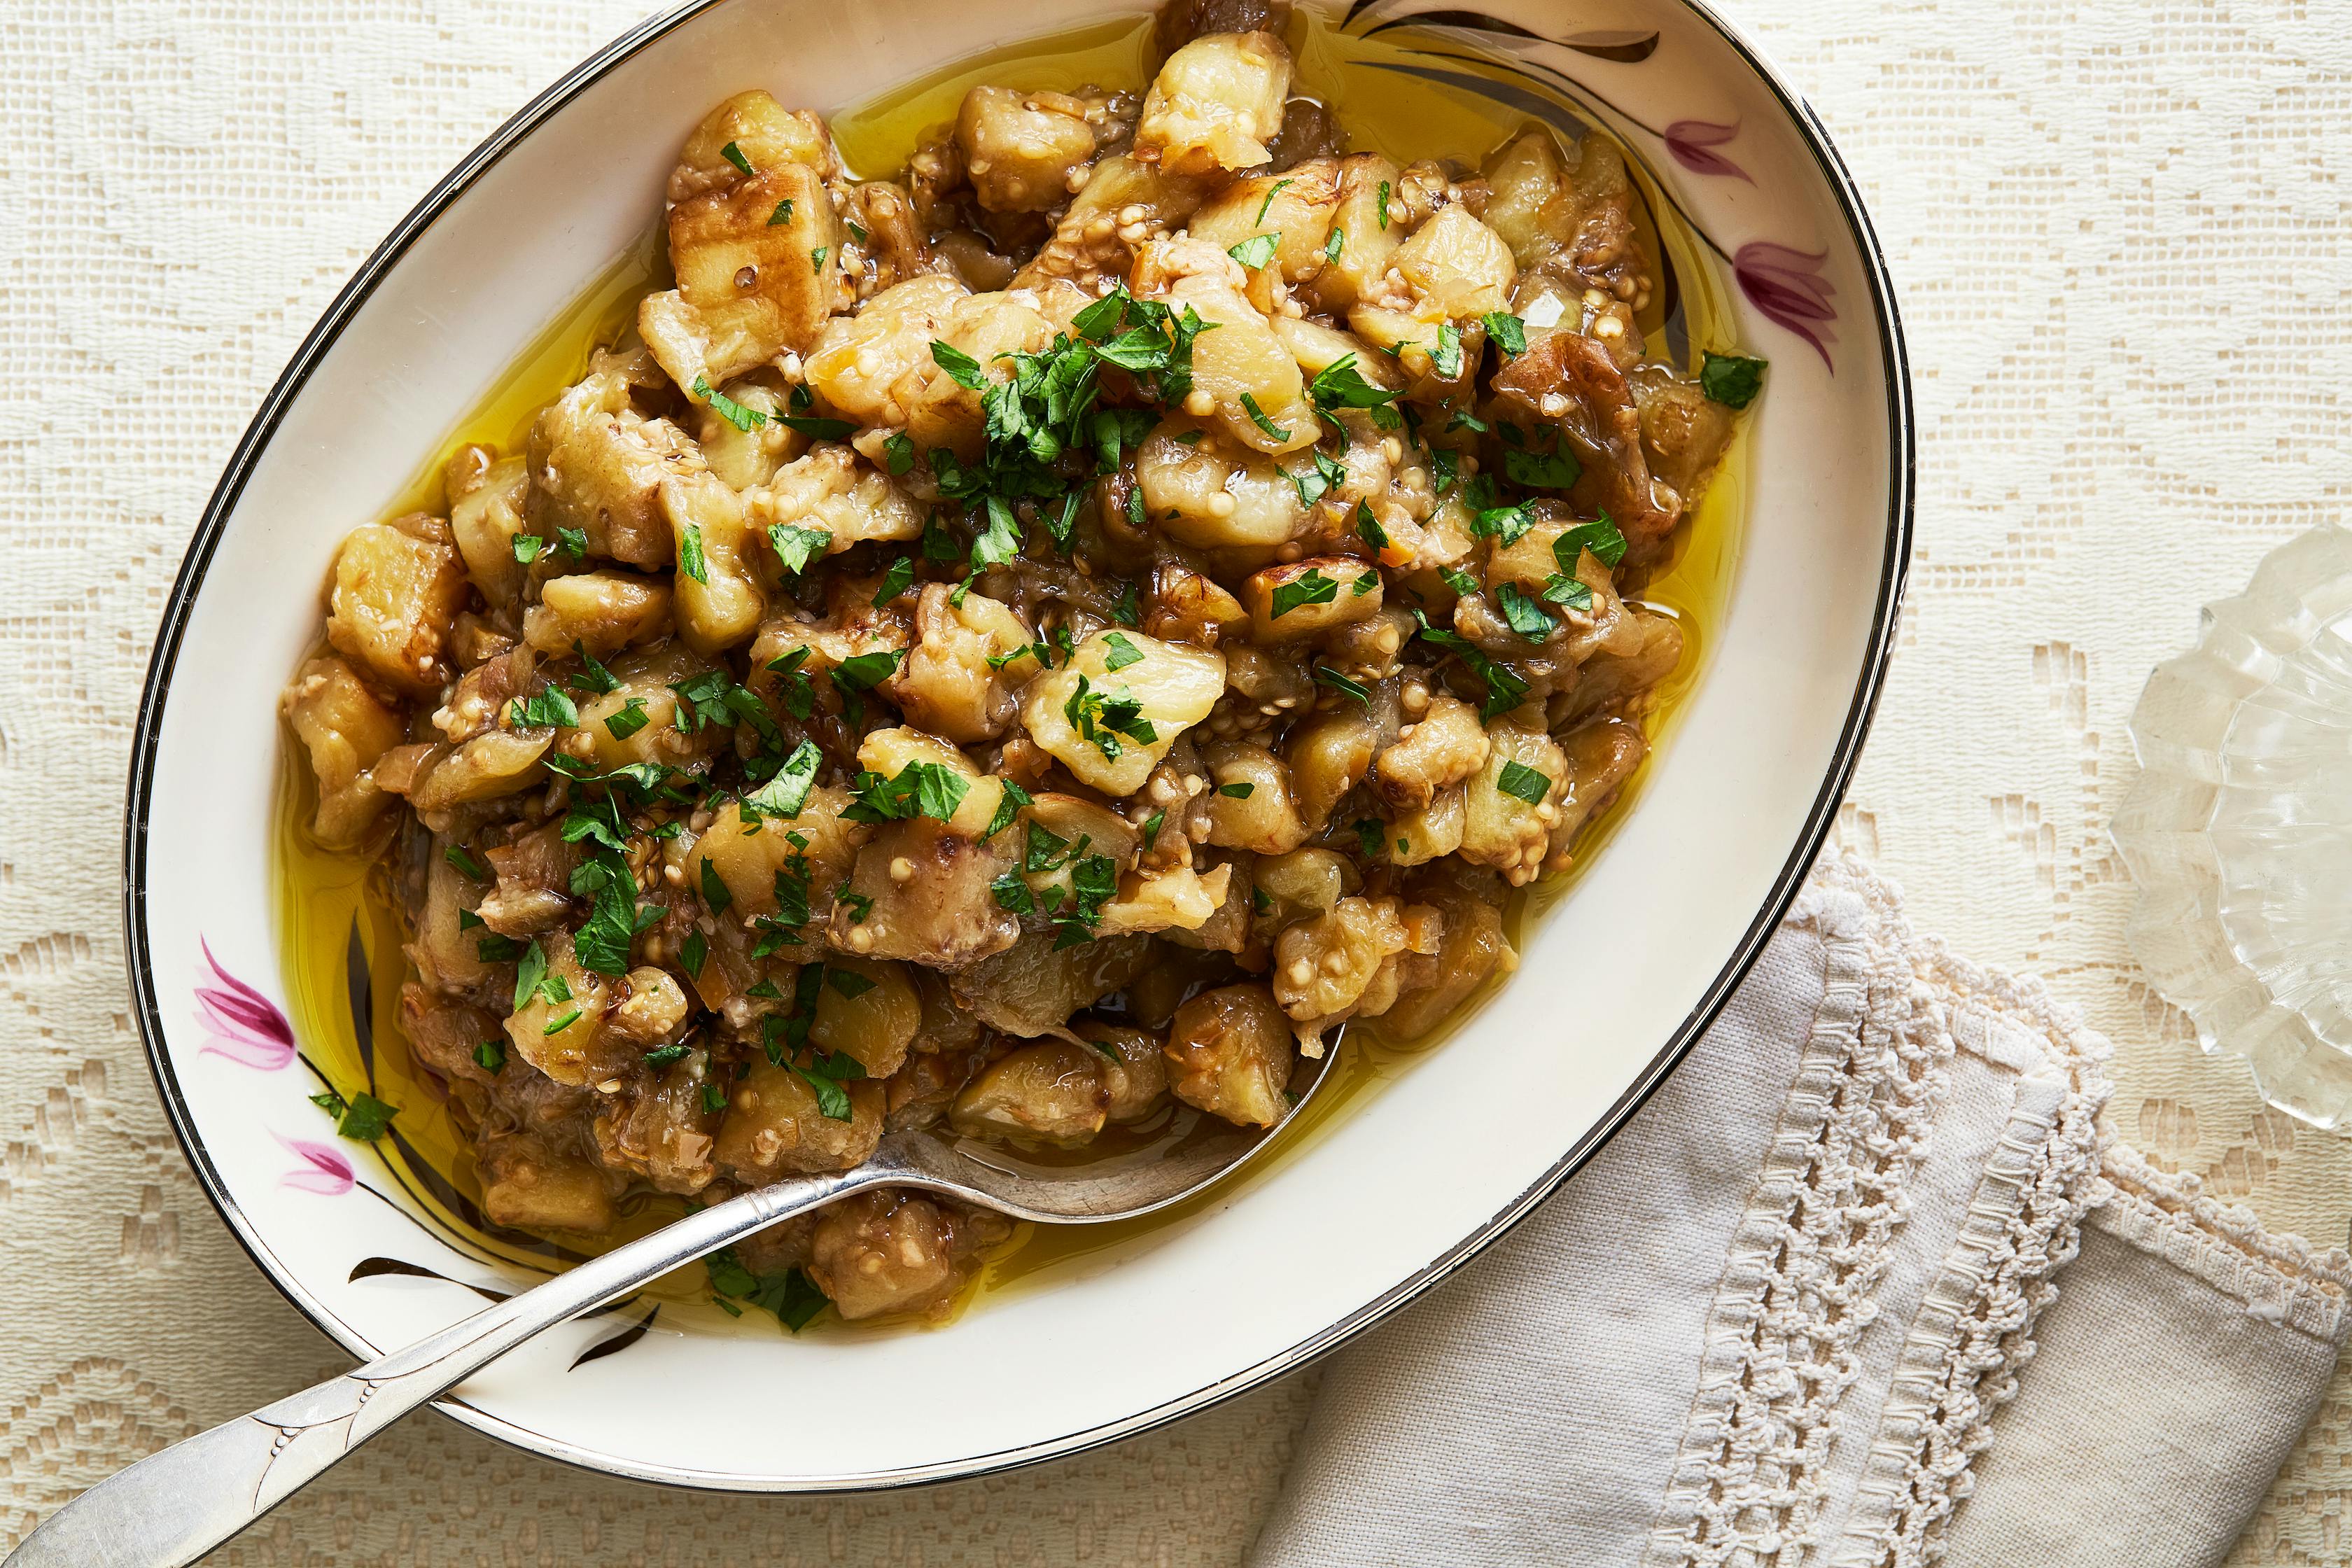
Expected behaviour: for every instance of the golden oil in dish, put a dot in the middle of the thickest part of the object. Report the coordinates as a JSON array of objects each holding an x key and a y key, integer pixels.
[{"x": 336, "y": 915}]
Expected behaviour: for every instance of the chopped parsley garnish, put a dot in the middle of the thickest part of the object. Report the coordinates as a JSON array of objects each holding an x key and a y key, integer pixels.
[
  {"x": 1122, "y": 652},
  {"x": 690, "y": 554},
  {"x": 962, "y": 366},
  {"x": 714, "y": 1100},
  {"x": 1601, "y": 538},
  {"x": 490, "y": 1055},
  {"x": 527, "y": 547},
  {"x": 816, "y": 259},
  {"x": 1505, "y": 686},
  {"x": 662, "y": 1055},
  {"x": 861, "y": 673},
  {"x": 1257, "y": 417},
  {"x": 1103, "y": 720},
  {"x": 817, "y": 429},
  {"x": 1334, "y": 245},
  {"x": 1241, "y": 791},
  {"x": 1151, "y": 825},
  {"x": 796, "y": 546},
  {"x": 534, "y": 980},
  {"x": 782, "y": 215},
  {"x": 693, "y": 951},
  {"x": 850, "y": 984},
  {"x": 857, "y": 230},
  {"x": 497, "y": 949},
  {"x": 1458, "y": 580},
  {"x": 548, "y": 709},
  {"x": 920, "y": 789},
  {"x": 896, "y": 581},
  {"x": 1356, "y": 690},
  {"x": 593, "y": 676},
  {"x": 1123, "y": 610},
  {"x": 1507, "y": 331},
  {"x": 716, "y": 895},
  {"x": 788, "y": 792},
  {"x": 786, "y": 1292},
  {"x": 364, "y": 1118},
  {"x": 1567, "y": 593},
  {"x": 456, "y": 856},
  {"x": 1730, "y": 380},
  {"x": 1340, "y": 384},
  {"x": 734, "y": 155},
  {"x": 1520, "y": 780},
  {"x": 1384, "y": 202},
  {"x": 1256, "y": 250},
  {"x": 744, "y": 419},
  {"x": 1266, "y": 205},
  {"x": 897, "y": 453},
  {"x": 824, "y": 1075},
  {"x": 1446, "y": 358},
  {"x": 1526, "y": 617},
  {"x": 631, "y": 718},
  {"x": 1309, "y": 588},
  {"x": 572, "y": 541},
  {"x": 614, "y": 920},
  {"x": 1368, "y": 529},
  {"x": 1508, "y": 523},
  {"x": 1370, "y": 839},
  {"x": 1008, "y": 805}
]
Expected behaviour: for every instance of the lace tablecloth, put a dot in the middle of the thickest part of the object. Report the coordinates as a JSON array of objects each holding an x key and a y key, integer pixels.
[{"x": 2117, "y": 233}]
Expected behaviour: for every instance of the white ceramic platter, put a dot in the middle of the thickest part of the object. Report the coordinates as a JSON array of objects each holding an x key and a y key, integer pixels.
[{"x": 1414, "y": 1178}]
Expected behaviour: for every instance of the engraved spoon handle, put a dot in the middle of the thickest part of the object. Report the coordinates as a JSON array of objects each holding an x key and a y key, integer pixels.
[{"x": 173, "y": 1507}]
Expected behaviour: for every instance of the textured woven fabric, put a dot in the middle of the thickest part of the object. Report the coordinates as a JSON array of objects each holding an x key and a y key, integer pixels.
[
  {"x": 1832, "y": 1298},
  {"x": 2117, "y": 232}
]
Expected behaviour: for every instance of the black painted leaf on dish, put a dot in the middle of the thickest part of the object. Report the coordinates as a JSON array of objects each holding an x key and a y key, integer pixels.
[
  {"x": 613, "y": 1344},
  {"x": 1625, "y": 47},
  {"x": 359, "y": 988},
  {"x": 1476, "y": 21},
  {"x": 375, "y": 1268}
]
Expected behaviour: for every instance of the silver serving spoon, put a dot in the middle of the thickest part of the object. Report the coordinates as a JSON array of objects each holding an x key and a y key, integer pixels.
[{"x": 172, "y": 1507}]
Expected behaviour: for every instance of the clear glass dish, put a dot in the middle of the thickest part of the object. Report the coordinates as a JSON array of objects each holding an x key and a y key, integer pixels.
[{"x": 2239, "y": 830}]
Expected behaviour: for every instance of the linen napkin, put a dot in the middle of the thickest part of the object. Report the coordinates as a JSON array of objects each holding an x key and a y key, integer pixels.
[{"x": 1861, "y": 1286}]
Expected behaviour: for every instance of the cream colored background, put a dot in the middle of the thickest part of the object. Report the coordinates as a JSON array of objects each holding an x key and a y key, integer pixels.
[{"x": 2118, "y": 231}]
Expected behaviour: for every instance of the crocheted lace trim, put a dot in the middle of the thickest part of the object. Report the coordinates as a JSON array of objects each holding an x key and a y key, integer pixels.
[
  {"x": 1798, "y": 1291},
  {"x": 2281, "y": 1278},
  {"x": 1974, "y": 1328}
]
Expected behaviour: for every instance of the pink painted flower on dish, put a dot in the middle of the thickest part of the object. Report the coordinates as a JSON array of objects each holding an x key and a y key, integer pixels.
[
  {"x": 240, "y": 1023},
  {"x": 1690, "y": 142},
  {"x": 324, "y": 1170},
  {"x": 1787, "y": 285}
]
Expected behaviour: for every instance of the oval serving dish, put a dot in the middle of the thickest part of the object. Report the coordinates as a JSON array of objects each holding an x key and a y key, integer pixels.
[{"x": 1442, "y": 1153}]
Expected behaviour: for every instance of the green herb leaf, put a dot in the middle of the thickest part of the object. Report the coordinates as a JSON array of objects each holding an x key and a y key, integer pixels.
[
  {"x": 863, "y": 672},
  {"x": 962, "y": 366},
  {"x": 1601, "y": 538},
  {"x": 1151, "y": 825},
  {"x": 786, "y": 1292},
  {"x": 527, "y": 547},
  {"x": 1242, "y": 791},
  {"x": 1355, "y": 691},
  {"x": 602, "y": 945},
  {"x": 895, "y": 582},
  {"x": 1506, "y": 523},
  {"x": 1458, "y": 580},
  {"x": 1446, "y": 360},
  {"x": 690, "y": 554},
  {"x": 816, "y": 259},
  {"x": 898, "y": 453},
  {"x": 1507, "y": 331},
  {"x": 1008, "y": 807},
  {"x": 548, "y": 709},
  {"x": 1256, "y": 250},
  {"x": 1505, "y": 686},
  {"x": 1340, "y": 384},
  {"x": 817, "y": 429},
  {"x": 744, "y": 419},
  {"x": 782, "y": 215},
  {"x": 572, "y": 541},
  {"x": 1520, "y": 780},
  {"x": 1266, "y": 205},
  {"x": 1122, "y": 652},
  {"x": 1311, "y": 587},
  {"x": 1566, "y": 592},
  {"x": 490, "y": 1055},
  {"x": 365, "y": 1119},
  {"x": 631, "y": 718},
  {"x": 1368, "y": 529},
  {"x": 497, "y": 949},
  {"x": 714, "y": 1100},
  {"x": 1000, "y": 541},
  {"x": 734, "y": 155},
  {"x": 1334, "y": 245},
  {"x": 796, "y": 546},
  {"x": 848, "y": 983},
  {"x": 1730, "y": 380},
  {"x": 1524, "y": 616},
  {"x": 715, "y": 896},
  {"x": 1258, "y": 418},
  {"x": 1370, "y": 839},
  {"x": 1383, "y": 204},
  {"x": 785, "y": 794},
  {"x": 693, "y": 951},
  {"x": 456, "y": 856}
]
